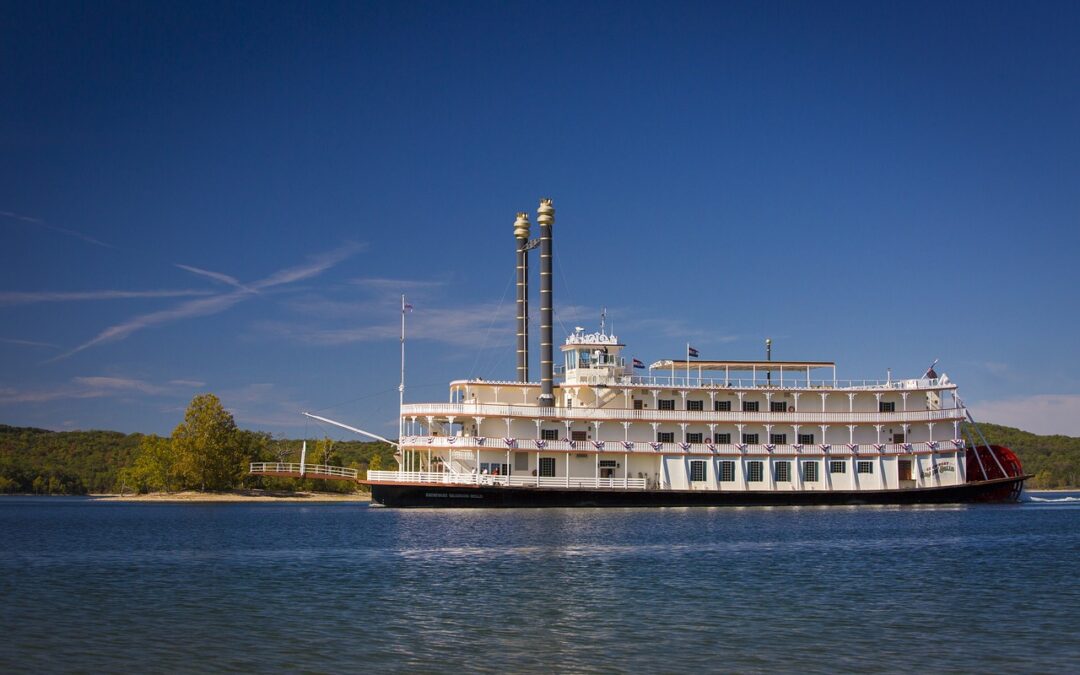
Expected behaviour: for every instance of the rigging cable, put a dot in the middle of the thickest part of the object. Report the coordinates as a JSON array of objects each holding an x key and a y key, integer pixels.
[{"x": 487, "y": 333}]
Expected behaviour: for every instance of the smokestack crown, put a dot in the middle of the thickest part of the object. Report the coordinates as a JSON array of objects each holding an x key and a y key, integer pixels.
[
  {"x": 546, "y": 213},
  {"x": 521, "y": 226}
]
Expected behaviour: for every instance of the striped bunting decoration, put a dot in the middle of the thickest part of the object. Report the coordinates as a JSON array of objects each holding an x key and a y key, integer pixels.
[
  {"x": 629, "y": 445},
  {"x": 599, "y": 445},
  {"x": 540, "y": 443}
]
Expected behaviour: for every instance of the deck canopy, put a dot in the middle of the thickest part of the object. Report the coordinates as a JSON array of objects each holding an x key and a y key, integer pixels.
[{"x": 736, "y": 366}]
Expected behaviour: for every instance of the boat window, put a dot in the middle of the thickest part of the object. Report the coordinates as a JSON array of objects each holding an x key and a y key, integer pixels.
[
  {"x": 694, "y": 438},
  {"x": 727, "y": 471},
  {"x": 547, "y": 467},
  {"x": 665, "y": 436},
  {"x": 810, "y": 472},
  {"x": 578, "y": 436},
  {"x": 722, "y": 406},
  {"x": 806, "y": 439},
  {"x": 783, "y": 472},
  {"x": 864, "y": 467},
  {"x": 722, "y": 438},
  {"x": 549, "y": 434},
  {"x": 837, "y": 466},
  {"x": 750, "y": 439},
  {"x": 638, "y": 404},
  {"x": 667, "y": 404},
  {"x": 778, "y": 406},
  {"x": 697, "y": 471},
  {"x": 778, "y": 439},
  {"x": 755, "y": 472},
  {"x": 695, "y": 405},
  {"x": 749, "y": 406},
  {"x": 886, "y": 406}
]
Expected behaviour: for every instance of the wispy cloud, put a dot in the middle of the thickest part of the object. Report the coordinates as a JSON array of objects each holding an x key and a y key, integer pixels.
[
  {"x": 383, "y": 285},
  {"x": 97, "y": 386},
  {"x": 216, "y": 276},
  {"x": 28, "y": 343},
  {"x": 315, "y": 265},
  {"x": 37, "y": 222},
  {"x": 31, "y": 297},
  {"x": 1041, "y": 413}
]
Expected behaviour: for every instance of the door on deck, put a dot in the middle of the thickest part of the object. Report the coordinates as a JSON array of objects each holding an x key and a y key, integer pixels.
[{"x": 903, "y": 469}]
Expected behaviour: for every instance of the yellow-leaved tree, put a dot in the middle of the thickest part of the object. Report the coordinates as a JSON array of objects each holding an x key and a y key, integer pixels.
[{"x": 211, "y": 453}]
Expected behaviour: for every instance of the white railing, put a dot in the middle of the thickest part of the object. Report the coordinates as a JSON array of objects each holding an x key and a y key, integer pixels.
[
  {"x": 449, "y": 478},
  {"x": 695, "y": 382},
  {"x": 307, "y": 470},
  {"x": 710, "y": 416},
  {"x": 471, "y": 444}
]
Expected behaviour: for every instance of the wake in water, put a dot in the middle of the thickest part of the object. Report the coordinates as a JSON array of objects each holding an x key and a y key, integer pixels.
[{"x": 1051, "y": 498}]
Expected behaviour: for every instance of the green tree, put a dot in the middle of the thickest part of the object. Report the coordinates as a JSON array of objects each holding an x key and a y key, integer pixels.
[
  {"x": 155, "y": 467},
  {"x": 210, "y": 451}
]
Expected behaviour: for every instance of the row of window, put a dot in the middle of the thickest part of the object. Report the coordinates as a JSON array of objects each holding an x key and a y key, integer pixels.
[
  {"x": 725, "y": 438},
  {"x": 698, "y": 437},
  {"x": 755, "y": 470},
  {"x": 747, "y": 406}
]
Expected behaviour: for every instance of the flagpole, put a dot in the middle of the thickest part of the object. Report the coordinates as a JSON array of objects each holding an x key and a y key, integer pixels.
[
  {"x": 401, "y": 385},
  {"x": 687, "y": 364}
]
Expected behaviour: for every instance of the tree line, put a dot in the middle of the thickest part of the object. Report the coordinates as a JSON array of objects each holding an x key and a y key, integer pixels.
[{"x": 207, "y": 451}]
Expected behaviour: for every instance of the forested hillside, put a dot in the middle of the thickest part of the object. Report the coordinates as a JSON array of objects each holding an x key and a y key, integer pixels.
[{"x": 77, "y": 462}]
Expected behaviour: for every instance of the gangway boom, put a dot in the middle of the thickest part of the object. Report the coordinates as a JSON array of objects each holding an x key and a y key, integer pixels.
[{"x": 353, "y": 429}]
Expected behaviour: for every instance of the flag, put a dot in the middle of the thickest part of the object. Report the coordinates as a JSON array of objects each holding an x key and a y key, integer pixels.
[
  {"x": 408, "y": 308},
  {"x": 638, "y": 363},
  {"x": 693, "y": 353}
]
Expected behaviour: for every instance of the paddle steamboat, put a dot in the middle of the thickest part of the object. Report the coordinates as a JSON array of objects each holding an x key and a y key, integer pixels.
[{"x": 598, "y": 430}]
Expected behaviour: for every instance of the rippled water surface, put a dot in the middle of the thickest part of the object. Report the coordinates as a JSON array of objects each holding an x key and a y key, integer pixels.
[{"x": 97, "y": 586}]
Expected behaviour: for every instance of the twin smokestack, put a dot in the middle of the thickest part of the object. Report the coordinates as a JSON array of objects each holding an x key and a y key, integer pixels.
[{"x": 545, "y": 217}]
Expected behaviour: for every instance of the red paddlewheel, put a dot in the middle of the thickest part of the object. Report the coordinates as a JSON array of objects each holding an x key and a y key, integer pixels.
[{"x": 982, "y": 459}]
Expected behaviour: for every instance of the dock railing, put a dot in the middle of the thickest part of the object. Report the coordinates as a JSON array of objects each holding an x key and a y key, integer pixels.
[{"x": 307, "y": 470}]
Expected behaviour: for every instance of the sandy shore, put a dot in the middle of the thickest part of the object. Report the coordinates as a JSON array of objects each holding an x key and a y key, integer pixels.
[{"x": 238, "y": 496}]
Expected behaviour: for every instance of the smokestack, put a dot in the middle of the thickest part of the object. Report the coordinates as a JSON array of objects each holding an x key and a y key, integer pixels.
[
  {"x": 521, "y": 233},
  {"x": 545, "y": 216}
]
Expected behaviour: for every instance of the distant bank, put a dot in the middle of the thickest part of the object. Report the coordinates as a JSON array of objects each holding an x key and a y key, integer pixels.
[
  {"x": 39, "y": 461},
  {"x": 238, "y": 496}
]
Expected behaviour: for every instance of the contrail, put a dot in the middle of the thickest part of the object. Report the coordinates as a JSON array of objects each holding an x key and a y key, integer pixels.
[
  {"x": 32, "y": 297},
  {"x": 218, "y": 303},
  {"x": 55, "y": 228}
]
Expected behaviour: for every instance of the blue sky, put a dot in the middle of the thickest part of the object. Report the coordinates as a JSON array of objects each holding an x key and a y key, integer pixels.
[{"x": 231, "y": 197}]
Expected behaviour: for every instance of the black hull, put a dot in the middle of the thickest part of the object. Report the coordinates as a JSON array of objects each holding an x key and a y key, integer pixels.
[{"x": 489, "y": 496}]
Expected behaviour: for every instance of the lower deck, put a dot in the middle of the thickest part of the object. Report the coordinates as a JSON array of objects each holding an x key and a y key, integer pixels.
[
  {"x": 418, "y": 494},
  {"x": 684, "y": 471}
]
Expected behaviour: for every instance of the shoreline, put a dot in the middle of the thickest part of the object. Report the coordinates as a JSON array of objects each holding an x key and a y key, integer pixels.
[{"x": 244, "y": 496}]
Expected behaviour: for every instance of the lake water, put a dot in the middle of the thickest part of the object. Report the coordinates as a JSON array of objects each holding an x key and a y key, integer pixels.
[{"x": 98, "y": 586}]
